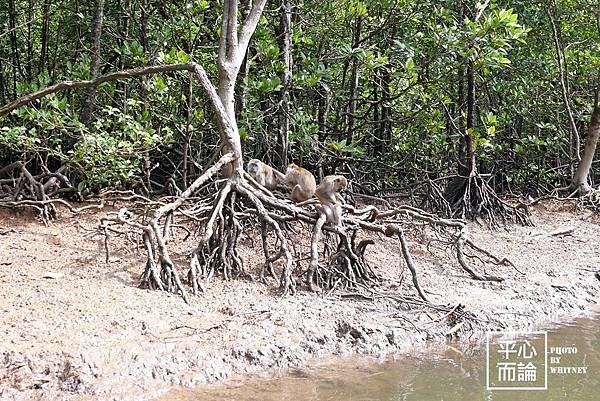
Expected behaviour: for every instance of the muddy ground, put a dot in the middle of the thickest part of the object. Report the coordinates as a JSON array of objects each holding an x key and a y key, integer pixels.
[{"x": 91, "y": 333}]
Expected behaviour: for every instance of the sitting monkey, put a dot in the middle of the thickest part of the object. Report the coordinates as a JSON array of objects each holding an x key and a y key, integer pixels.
[
  {"x": 328, "y": 193},
  {"x": 264, "y": 174},
  {"x": 301, "y": 181}
]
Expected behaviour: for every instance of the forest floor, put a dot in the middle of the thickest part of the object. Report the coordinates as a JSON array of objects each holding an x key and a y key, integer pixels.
[{"x": 91, "y": 333}]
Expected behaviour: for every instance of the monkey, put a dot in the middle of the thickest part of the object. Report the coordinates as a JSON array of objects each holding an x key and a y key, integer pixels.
[
  {"x": 264, "y": 174},
  {"x": 328, "y": 193},
  {"x": 301, "y": 181}
]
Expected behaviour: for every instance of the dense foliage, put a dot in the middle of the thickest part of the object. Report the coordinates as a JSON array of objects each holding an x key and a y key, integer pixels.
[{"x": 378, "y": 89}]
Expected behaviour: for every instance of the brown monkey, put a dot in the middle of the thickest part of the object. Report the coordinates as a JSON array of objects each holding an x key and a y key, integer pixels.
[
  {"x": 328, "y": 193},
  {"x": 301, "y": 181},
  {"x": 264, "y": 174}
]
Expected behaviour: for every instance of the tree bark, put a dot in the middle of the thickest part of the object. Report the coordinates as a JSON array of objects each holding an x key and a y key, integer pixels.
[
  {"x": 90, "y": 104},
  {"x": 188, "y": 128},
  {"x": 16, "y": 61},
  {"x": 322, "y": 95},
  {"x": 3, "y": 94},
  {"x": 322, "y": 110},
  {"x": 354, "y": 81},
  {"x": 124, "y": 38},
  {"x": 30, "y": 20},
  {"x": 384, "y": 126},
  {"x": 467, "y": 166},
  {"x": 581, "y": 177},
  {"x": 144, "y": 43},
  {"x": 574, "y": 139},
  {"x": 240, "y": 94},
  {"x": 286, "y": 81},
  {"x": 45, "y": 35},
  {"x": 232, "y": 50}
]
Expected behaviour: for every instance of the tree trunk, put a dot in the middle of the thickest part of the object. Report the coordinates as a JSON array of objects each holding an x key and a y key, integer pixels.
[
  {"x": 385, "y": 128},
  {"x": 144, "y": 43},
  {"x": 188, "y": 128},
  {"x": 467, "y": 166},
  {"x": 90, "y": 104},
  {"x": 16, "y": 61},
  {"x": 124, "y": 38},
  {"x": 574, "y": 140},
  {"x": 30, "y": 20},
  {"x": 232, "y": 50},
  {"x": 3, "y": 94},
  {"x": 286, "y": 81},
  {"x": 322, "y": 102},
  {"x": 240, "y": 94},
  {"x": 580, "y": 179},
  {"x": 240, "y": 91},
  {"x": 45, "y": 35},
  {"x": 322, "y": 110},
  {"x": 354, "y": 81},
  {"x": 375, "y": 98}
]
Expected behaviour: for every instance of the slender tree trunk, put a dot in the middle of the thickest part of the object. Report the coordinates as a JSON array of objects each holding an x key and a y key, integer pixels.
[
  {"x": 581, "y": 177},
  {"x": 385, "y": 129},
  {"x": 144, "y": 43},
  {"x": 16, "y": 61},
  {"x": 90, "y": 104},
  {"x": 376, "y": 84},
  {"x": 45, "y": 35},
  {"x": 240, "y": 91},
  {"x": 286, "y": 80},
  {"x": 189, "y": 96},
  {"x": 574, "y": 139},
  {"x": 3, "y": 94},
  {"x": 354, "y": 81},
  {"x": 30, "y": 20},
  {"x": 144, "y": 25},
  {"x": 467, "y": 166},
  {"x": 188, "y": 128},
  {"x": 240, "y": 94},
  {"x": 322, "y": 110},
  {"x": 322, "y": 101}
]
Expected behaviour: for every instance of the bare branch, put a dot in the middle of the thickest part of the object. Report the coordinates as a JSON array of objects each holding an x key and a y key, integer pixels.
[
  {"x": 84, "y": 84},
  {"x": 248, "y": 29},
  {"x": 232, "y": 27},
  {"x": 222, "y": 60},
  {"x": 228, "y": 127}
]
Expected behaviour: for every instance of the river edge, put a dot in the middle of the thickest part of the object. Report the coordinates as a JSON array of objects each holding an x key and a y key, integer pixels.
[
  {"x": 91, "y": 334},
  {"x": 436, "y": 372}
]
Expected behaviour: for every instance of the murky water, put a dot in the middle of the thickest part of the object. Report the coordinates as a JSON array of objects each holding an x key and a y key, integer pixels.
[{"x": 449, "y": 375}]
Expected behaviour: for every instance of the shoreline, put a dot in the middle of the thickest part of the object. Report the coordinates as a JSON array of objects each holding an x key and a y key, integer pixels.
[{"x": 91, "y": 334}]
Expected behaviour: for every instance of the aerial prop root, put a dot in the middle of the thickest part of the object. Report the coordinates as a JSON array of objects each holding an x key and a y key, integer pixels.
[
  {"x": 20, "y": 189},
  {"x": 221, "y": 215},
  {"x": 591, "y": 199},
  {"x": 393, "y": 223},
  {"x": 473, "y": 198}
]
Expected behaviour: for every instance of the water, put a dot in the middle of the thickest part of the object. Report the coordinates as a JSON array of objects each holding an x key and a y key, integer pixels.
[{"x": 452, "y": 374}]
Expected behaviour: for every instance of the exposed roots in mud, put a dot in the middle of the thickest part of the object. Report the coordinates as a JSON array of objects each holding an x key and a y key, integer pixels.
[
  {"x": 19, "y": 189},
  {"x": 472, "y": 198},
  {"x": 43, "y": 193},
  {"x": 215, "y": 212},
  {"x": 584, "y": 196},
  {"x": 591, "y": 199}
]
